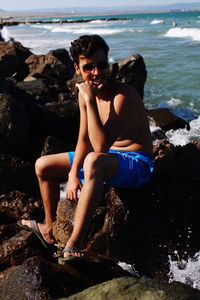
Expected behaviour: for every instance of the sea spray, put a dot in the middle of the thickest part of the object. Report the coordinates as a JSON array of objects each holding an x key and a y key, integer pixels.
[{"x": 186, "y": 271}]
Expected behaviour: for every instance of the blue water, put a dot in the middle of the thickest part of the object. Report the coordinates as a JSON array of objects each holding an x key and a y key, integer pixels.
[{"x": 171, "y": 55}]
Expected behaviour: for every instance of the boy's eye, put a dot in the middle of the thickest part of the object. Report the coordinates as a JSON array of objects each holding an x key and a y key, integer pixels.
[{"x": 90, "y": 66}]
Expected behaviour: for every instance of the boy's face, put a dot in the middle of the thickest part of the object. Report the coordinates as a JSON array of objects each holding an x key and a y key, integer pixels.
[{"x": 94, "y": 68}]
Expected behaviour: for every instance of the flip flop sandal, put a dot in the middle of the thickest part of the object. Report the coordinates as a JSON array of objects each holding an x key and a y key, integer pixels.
[{"x": 35, "y": 229}]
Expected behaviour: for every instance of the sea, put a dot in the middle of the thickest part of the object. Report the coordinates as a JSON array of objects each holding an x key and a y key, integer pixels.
[{"x": 172, "y": 58}]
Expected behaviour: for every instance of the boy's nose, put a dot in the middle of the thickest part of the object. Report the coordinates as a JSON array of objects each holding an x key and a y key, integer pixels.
[{"x": 95, "y": 71}]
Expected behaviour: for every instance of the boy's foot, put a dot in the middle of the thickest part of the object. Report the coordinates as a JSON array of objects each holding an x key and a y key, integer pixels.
[
  {"x": 69, "y": 252},
  {"x": 40, "y": 229}
]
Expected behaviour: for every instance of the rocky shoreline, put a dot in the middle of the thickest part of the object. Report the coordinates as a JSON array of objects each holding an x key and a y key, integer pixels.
[
  {"x": 39, "y": 115},
  {"x": 58, "y": 20}
]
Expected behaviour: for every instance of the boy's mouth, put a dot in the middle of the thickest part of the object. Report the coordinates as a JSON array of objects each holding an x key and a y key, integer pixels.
[{"x": 98, "y": 81}]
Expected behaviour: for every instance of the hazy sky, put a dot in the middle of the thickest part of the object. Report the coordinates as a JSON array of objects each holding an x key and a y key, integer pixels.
[{"x": 35, "y": 4}]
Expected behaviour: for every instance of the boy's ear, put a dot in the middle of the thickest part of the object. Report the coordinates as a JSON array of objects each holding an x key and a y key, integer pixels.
[{"x": 78, "y": 72}]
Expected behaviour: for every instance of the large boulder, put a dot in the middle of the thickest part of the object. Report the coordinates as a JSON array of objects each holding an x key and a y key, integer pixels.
[
  {"x": 12, "y": 60},
  {"x": 17, "y": 175},
  {"x": 17, "y": 205},
  {"x": 40, "y": 89},
  {"x": 131, "y": 70},
  {"x": 56, "y": 66},
  {"x": 14, "y": 125},
  {"x": 132, "y": 288},
  {"x": 40, "y": 279},
  {"x": 43, "y": 122},
  {"x": 142, "y": 226},
  {"x": 166, "y": 119}
]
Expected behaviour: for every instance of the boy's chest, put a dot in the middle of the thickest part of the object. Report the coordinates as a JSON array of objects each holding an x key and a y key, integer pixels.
[{"x": 103, "y": 110}]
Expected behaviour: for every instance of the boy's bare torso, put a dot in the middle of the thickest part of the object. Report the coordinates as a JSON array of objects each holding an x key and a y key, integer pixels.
[{"x": 130, "y": 129}]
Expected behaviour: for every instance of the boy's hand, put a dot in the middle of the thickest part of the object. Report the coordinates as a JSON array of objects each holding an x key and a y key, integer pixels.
[
  {"x": 88, "y": 90},
  {"x": 73, "y": 185}
]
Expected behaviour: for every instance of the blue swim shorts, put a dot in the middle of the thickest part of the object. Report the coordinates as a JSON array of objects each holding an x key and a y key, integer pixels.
[{"x": 135, "y": 169}]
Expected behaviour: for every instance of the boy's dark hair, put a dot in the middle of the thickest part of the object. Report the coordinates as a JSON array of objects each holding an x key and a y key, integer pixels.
[{"x": 87, "y": 45}]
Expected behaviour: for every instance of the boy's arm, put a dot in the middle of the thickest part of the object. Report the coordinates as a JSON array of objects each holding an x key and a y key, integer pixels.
[
  {"x": 96, "y": 131},
  {"x": 83, "y": 147},
  {"x": 100, "y": 140}
]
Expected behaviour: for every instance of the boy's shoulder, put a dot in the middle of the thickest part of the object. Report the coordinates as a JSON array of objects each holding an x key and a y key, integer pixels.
[{"x": 123, "y": 88}]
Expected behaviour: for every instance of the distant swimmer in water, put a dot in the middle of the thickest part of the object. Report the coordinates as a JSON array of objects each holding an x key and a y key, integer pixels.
[
  {"x": 174, "y": 23},
  {"x": 163, "y": 21}
]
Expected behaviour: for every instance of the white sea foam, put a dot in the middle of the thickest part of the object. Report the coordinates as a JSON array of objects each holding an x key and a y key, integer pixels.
[
  {"x": 183, "y": 136},
  {"x": 191, "y": 33},
  {"x": 98, "y": 21},
  {"x": 185, "y": 271},
  {"x": 129, "y": 268},
  {"x": 91, "y": 30},
  {"x": 5, "y": 33},
  {"x": 174, "y": 102},
  {"x": 156, "y": 22}
]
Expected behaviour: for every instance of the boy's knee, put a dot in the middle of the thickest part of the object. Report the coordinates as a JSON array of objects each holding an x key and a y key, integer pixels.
[
  {"x": 40, "y": 166},
  {"x": 92, "y": 162}
]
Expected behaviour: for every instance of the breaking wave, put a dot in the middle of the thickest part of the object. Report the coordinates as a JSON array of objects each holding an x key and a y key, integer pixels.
[{"x": 191, "y": 33}]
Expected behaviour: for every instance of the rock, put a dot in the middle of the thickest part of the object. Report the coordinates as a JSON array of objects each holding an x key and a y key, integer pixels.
[
  {"x": 142, "y": 226},
  {"x": 43, "y": 122},
  {"x": 56, "y": 66},
  {"x": 14, "y": 126},
  {"x": 54, "y": 145},
  {"x": 38, "y": 279},
  {"x": 131, "y": 70},
  {"x": 166, "y": 120},
  {"x": 16, "y": 174},
  {"x": 64, "y": 109},
  {"x": 71, "y": 85},
  {"x": 40, "y": 90},
  {"x": 16, "y": 249},
  {"x": 161, "y": 148},
  {"x": 17, "y": 205},
  {"x": 12, "y": 60},
  {"x": 132, "y": 288}
]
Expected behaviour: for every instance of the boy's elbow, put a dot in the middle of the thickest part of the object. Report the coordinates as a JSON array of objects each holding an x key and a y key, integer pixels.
[{"x": 101, "y": 148}]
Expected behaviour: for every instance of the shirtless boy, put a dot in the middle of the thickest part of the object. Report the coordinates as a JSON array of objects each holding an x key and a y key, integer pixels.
[{"x": 114, "y": 144}]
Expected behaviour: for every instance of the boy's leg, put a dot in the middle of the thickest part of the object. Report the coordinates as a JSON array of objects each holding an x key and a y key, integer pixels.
[
  {"x": 97, "y": 168},
  {"x": 49, "y": 170}
]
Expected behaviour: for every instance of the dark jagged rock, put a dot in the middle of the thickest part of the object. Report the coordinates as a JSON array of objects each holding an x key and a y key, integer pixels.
[
  {"x": 39, "y": 279},
  {"x": 64, "y": 109},
  {"x": 18, "y": 205},
  {"x": 12, "y": 60},
  {"x": 142, "y": 226},
  {"x": 166, "y": 120},
  {"x": 40, "y": 90},
  {"x": 14, "y": 126},
  {"x": 43, "y": 122},
  {"x": 131, "y": 70},
  {"x": 16, "y": 174},
  {"x": 16, "y": 249},
  {"x": 56, "y": 66},
  {"x": 54, "y": 145}
]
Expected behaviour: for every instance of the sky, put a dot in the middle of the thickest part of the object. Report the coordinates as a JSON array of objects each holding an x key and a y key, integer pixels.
[{"x": 10, "y": 5}]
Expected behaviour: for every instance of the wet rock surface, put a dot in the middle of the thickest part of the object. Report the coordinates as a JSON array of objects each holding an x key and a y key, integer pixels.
[{"x": 38, "y": 278}]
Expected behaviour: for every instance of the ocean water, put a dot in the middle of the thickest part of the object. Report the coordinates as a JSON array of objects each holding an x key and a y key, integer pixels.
[
  {"x": 171, "y": 55},
  {"x": 172, "y": 58}
]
